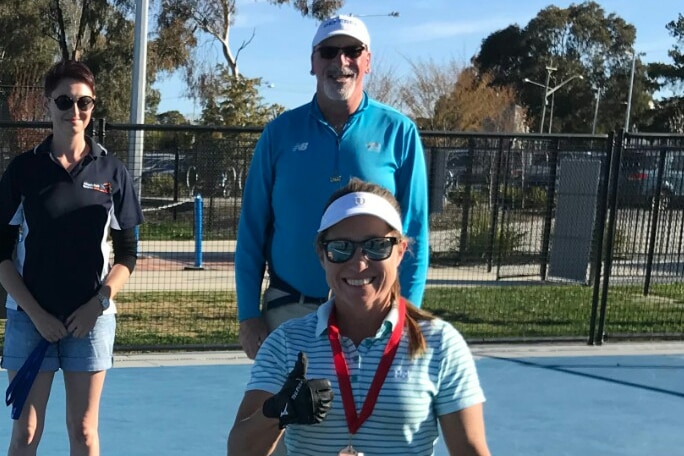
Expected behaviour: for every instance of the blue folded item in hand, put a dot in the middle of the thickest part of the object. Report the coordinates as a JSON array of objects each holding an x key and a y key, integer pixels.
[{"x": 20, "y": 386}]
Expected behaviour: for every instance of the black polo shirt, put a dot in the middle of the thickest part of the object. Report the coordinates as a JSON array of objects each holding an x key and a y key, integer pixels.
[{"x": 64, "y": 219}]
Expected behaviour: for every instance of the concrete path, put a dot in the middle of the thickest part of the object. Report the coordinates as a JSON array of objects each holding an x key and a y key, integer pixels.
[{"x": 172, "y": 265}]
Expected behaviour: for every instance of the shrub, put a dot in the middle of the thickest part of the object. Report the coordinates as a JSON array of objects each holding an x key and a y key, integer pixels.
[
  {"x": 159, "y": 185},
  {"x": 506, "y": 239}
]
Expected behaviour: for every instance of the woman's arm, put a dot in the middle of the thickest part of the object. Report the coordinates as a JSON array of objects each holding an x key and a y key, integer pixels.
[
  {"x": 464, "y": 432},
  {"x": 50, "y": 327},
  {"x": 253, "y": 434},
  {"x": 83, "y": 319}
]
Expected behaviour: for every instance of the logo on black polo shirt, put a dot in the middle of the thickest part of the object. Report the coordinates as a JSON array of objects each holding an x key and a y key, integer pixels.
[{"x": 104, "y": 188}]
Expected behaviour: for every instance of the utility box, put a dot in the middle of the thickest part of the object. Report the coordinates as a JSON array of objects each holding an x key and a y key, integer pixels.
[{"x": 571, "y": 240}]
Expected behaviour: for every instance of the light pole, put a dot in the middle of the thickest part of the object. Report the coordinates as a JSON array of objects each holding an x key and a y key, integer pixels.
[
  {"x": 390, "y": 14},
  {"x": 598, "y": 98},
  {"x": 629, "y": 96},
  {"x": 546, "y": 89},
  {"x": 549, "y": 91},
  {"x": 549, "y": 70},
  {"x": 553, "y": 104}
]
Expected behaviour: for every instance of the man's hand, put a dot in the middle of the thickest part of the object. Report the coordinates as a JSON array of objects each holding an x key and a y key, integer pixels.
[
  {"x": 301, "y": 401},
  {"x": 253, "y": 332}
]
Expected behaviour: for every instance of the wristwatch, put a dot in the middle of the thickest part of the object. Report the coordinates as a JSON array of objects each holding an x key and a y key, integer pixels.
[{"x": 104, "y": 300}]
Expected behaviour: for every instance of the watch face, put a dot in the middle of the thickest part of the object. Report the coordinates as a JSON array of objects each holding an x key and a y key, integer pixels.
[{"x": 104, "y": 301}]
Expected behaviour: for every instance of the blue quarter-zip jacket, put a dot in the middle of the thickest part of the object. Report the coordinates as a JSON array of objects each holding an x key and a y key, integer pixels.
[{"x": 299, "y": 161}]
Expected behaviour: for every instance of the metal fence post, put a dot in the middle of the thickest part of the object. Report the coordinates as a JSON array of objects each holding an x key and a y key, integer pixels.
[
  {"x": 605, "y": 191},
  {"x": 198, "y": 234},
  {"x": 467, "y": 195},
  {"x": 655, "y": 215},
  {"x": 550, "y": 205},
  {"x": 612, "y": 219}
]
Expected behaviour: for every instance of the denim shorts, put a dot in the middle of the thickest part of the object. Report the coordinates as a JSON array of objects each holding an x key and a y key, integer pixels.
[{"x": 91, "y": 353}]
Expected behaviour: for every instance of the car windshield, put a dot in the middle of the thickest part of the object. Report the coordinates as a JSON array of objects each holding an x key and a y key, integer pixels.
[
  {"x": 639, "y": 161},
  {"x": 678, "y": 163}
]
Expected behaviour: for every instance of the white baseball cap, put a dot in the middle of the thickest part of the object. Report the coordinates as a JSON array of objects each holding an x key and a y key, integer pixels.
[
  {"x": 360, "y": 203},
  {"x": 342, "y": 25}
]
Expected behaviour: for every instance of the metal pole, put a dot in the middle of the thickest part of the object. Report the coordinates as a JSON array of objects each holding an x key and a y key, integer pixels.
[
  {"x": 136, "y": 137},
  {"x": 545, "y": 95},
  {"x": 598, "y": 98},
  {"x": 199, "y": 220},
  {"x": 629, "y": 96},
  {"x": 553, "y": 102}
]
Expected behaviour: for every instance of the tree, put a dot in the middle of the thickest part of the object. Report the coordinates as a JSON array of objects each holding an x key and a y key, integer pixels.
[
  {"x": 428, "y": 82},
  {"x": 97, "y": 32},
  {"x": 173, "y": 140},
  {"x": 24, "y": 56},
  {"x": 215, "y": 19},
  {"x": 446, "y": 96},
  {"x": 476, "y": 105},
  {"x": 382, "y": 83},
  {"x": 670, "y": 115},
  {"x": 235, "y": 101},
  {"x": 579, "y": 40}
]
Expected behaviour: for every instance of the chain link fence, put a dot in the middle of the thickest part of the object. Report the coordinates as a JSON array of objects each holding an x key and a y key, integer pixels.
[{"x": 533, "y": 237}]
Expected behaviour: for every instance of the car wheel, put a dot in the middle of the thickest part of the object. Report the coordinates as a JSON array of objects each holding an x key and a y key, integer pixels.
[{"x": 663, "y": 202}]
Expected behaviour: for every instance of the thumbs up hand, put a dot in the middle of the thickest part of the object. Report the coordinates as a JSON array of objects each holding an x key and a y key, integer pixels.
[{"x": 300, "y": 401}]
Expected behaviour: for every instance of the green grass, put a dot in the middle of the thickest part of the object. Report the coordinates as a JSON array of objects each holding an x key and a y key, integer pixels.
[
  {"x": 209, "y": 318},
  {"x": 176, "y": 318},
  {"x": 161, "y": 230},
  {"x": 513, "y": 312},
  {"x": 480, "y": 313},
  {"x": 548, "y": 311}
]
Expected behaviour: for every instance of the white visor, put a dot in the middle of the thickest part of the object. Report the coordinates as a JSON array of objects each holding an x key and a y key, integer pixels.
[{"x": 360, "y": 203}]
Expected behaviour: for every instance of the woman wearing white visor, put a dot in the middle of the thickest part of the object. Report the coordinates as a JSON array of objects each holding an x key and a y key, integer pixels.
[{"x": 396, "y": 372}]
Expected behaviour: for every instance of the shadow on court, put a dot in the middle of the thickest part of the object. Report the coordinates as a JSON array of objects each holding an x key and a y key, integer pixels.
[{"x": 581, "y": 405}]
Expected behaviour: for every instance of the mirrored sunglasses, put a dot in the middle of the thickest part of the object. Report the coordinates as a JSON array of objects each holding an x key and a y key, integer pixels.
[
  {"x": 330, "y": 52},
  {"x": 375, "y": 249},
  {"x": 65, "y": 102}
]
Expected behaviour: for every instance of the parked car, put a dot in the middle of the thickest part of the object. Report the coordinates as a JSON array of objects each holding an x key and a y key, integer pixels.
[
  {"x": 638, "y": 181},
  {"x": 457, "y": 169}
]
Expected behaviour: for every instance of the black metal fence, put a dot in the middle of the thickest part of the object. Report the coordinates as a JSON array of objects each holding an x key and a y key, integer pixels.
[{"x": 533, "y": 237}]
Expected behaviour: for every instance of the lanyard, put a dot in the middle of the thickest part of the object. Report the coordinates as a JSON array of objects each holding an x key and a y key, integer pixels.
[{"x": 354, "y": 421}]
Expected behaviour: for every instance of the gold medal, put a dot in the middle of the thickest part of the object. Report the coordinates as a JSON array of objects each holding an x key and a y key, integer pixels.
[{"x": 349, "y": 451}]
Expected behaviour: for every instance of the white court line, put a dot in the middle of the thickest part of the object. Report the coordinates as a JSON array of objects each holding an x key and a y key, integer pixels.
[{"x": 479, "y": 351}]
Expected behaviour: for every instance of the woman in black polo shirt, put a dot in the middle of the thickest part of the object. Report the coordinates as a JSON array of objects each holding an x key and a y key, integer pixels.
[{"x": 59, "y": 202}]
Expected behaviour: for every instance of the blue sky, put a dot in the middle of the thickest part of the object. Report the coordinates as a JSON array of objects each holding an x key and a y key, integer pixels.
[{"x": 439, "y": 30}]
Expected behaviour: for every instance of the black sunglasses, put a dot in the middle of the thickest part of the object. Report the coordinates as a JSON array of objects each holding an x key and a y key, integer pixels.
[
  {"x": 65, "y": 102},
  {"x": 375, "y": 249},
  {"x": 330, "y": 52}
]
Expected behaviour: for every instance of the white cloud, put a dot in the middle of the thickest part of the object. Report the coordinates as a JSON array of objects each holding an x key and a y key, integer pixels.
[{"x": 435, "y": 30}]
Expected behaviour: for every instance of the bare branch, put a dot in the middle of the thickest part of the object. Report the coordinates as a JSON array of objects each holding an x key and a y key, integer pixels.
[
  {"x": 242, "y": 46},
  {"x": 61, "y": 29},
  {"x": 78, "y": 43}
]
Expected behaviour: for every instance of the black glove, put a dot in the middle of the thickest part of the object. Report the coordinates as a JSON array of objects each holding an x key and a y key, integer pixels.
[{"x": 301, "y": 401}]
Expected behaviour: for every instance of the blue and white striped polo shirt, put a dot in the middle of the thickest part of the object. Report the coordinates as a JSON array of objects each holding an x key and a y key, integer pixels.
[{"x": 415, "y": 393}]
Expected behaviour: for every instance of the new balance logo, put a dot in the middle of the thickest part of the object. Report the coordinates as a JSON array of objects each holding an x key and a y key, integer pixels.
[
  {"x": 373, "y": 147},
  {"x": 301, "y": 147}
]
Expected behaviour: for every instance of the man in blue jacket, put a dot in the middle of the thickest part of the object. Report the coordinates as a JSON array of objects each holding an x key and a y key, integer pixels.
[{"x": 302, "y": 157}]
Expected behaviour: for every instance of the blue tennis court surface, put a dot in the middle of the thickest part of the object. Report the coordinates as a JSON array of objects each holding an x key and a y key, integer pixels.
[{"x": 619, "y": 405}]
